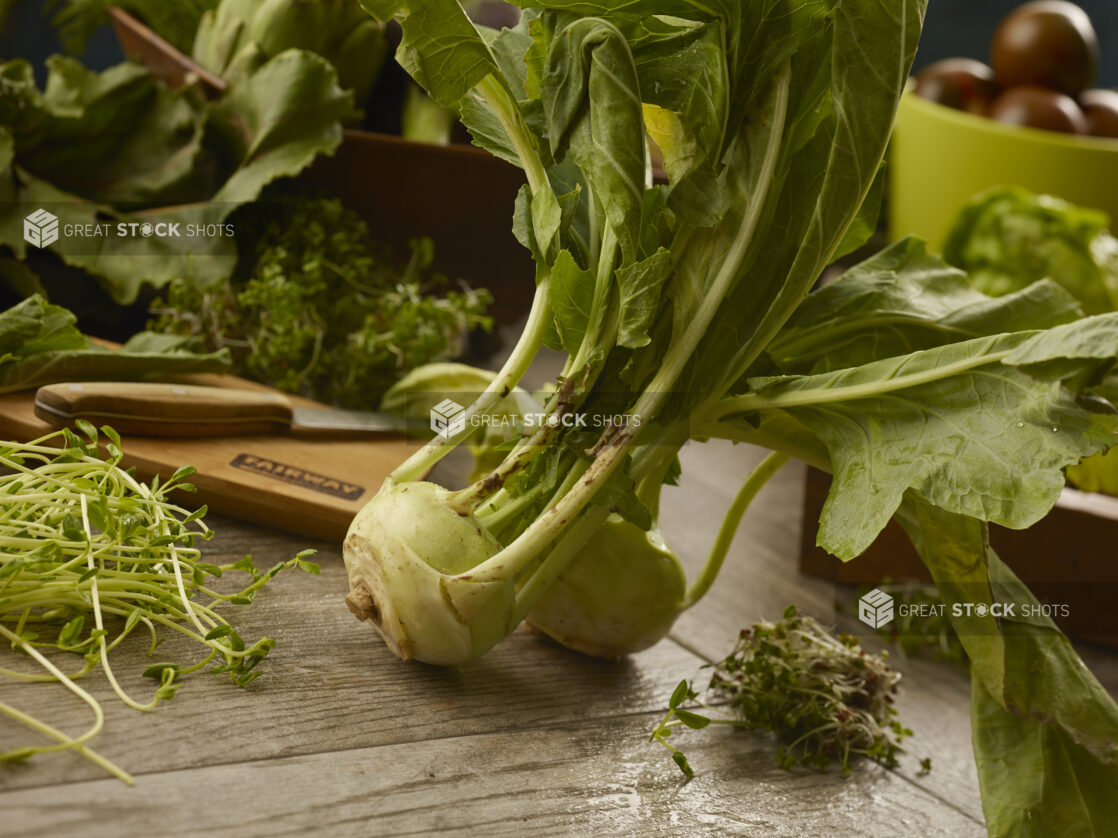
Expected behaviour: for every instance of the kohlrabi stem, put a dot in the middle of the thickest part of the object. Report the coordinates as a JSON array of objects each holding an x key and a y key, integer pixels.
[
  {"x": 513, "y": 370},
  {"x": 680, "y": 353},
  {"x": 549, "y": 525},
  {"x": 600, "y": 334},
  {"x": 723, "y": 430},
  {"x": 603, "y": 286},
  {"x": 509, "y": 116},
  {"x": 758, "y": 478},
  {"x": 752, "y": 402},
  {"x": 556, "y": 562},
  {"x": 538, "y": 319},
  {"x": 517, "y": 555}
]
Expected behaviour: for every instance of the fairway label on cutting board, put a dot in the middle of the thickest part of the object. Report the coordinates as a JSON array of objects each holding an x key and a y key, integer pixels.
[{"x": 298, "y": 476}]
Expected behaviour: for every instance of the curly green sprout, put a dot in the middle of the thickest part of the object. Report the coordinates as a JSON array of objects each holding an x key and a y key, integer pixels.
[
  {"x": 89, "y": 554},
  {"x": 824, "y": 697}
]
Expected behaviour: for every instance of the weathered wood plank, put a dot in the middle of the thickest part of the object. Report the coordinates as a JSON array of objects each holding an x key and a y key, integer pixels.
[
  {"x": 591, "y": 778},
  {"x": 330, "y": 684}
]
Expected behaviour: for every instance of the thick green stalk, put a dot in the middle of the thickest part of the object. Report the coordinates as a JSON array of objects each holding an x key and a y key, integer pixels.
[
  {"x": 513, "y": 370},
  {"x": 753, "y": 402},
  {"x": 517, "y": 555},
  {"x": 538, "y": 319}
]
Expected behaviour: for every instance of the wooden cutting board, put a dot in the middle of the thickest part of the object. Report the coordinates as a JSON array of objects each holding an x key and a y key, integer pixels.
[{"x": 310, "y": 485}]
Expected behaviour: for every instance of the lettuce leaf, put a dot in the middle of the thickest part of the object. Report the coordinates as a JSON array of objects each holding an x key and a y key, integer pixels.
[
  {"x": 39, "y": 344},
  {"x": 116, "y": 146}
]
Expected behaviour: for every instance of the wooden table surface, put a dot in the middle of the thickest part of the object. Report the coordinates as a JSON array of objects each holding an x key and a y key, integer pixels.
[{"x": 341, "y": 738}]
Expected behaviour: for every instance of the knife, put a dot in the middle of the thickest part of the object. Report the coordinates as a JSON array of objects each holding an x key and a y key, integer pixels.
[{"x": 186, "y": 410}]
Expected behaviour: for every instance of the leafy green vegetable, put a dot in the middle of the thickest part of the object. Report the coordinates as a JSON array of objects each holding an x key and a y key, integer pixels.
[
  {"x": 101, "y": 149},
  {"x": 39, "y": 344},
  {"x": 315, "y": 309},
  {"x": 825, "y": 698},
  {"x": 235, "y": 37},
  {"x": 662, "y": 299},
  {"x": 1044, "y": 728},
  {"x": 1008, "y": 238},
  {"x": 909, "y": 386},
  {"x": 87, "y": 555}
]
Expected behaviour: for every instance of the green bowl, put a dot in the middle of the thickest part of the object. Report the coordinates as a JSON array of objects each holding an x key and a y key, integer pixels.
[{"x": 940, "y": 157}]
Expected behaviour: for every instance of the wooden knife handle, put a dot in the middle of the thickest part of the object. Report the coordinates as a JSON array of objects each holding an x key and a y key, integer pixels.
[{"x": 170, "y": 410}]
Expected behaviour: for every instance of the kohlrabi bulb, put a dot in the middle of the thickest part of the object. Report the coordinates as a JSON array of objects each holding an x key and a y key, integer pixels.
[
  {"x": 408, "y": 554},
  {"x": 621, "y": 593}
]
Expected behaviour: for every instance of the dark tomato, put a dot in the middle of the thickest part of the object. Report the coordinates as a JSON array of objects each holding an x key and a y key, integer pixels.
[
  {"x": 959, "y": 83},
  {"x": 1039, "y": 107},
  {"x": 1101, "y": 109},
  {"x": 1048, "y": 43}
]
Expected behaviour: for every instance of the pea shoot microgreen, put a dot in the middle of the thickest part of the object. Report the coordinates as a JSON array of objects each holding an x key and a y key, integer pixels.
[{"x": 89, "y": 554}]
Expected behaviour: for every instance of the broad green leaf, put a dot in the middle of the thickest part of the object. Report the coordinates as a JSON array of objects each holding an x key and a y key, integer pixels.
[
  {"x": 115, "y": 137},
  {"x": 123, "y": 265},
  {"x": 572, "y": 295},
  {"x": 269, "y": 125},
  {"x": 683, "y": 76},
  {"x": 441, "y": 49},
  {"x": 1034, "y": 779},
  {"x": 902, "y": 300},
  {"x": 277, "y": 120},
  {"x": 592, "y": 104},
  {"x": 1044, "y": 729},
  {"x": 833, "y": 138},
  {"x": 1092, "y": 338},
  {"x": 956, "y": 423}
]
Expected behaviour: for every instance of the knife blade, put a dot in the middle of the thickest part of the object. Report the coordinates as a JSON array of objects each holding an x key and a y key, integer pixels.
[{"x": 188, "y": 410}]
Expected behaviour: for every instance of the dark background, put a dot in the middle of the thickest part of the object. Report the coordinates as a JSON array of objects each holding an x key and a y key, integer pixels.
[{"x": 953, "y": 28}]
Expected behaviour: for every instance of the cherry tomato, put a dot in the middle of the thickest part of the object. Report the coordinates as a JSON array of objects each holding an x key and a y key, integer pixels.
[
  {"x": 1039, "y": 107},
  {"x": 1101, "y": 109},
  {"x": 1048, "y": 43},
  {"x": 958, "y": 83}
]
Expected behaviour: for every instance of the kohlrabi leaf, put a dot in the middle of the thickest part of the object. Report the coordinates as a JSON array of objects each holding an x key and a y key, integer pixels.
[
  {"x": 957, "y": 424},
  {"x": 832, "y": 135},
  {"x": 591, "y": 100},
  {"x": 902, "y": 300},
  {"x": 1044, "y": 729},
  {"x": 640, "y": 285},
  {"x": 572, "y": 293},
  {"x": 683, "y": 79}
]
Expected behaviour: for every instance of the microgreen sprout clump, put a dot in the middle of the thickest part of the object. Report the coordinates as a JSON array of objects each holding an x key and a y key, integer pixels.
[
  {"x": 89, "y": 555},
  {"x": 826, "y": 698}
]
